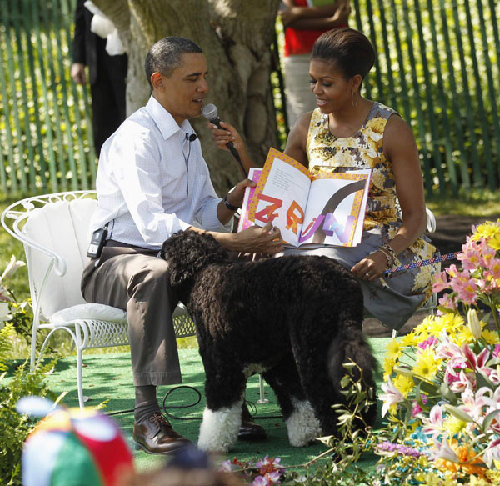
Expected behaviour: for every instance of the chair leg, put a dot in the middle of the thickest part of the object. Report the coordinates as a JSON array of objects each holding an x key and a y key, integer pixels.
[
  {"x": 262, "y": 398},
  {"x": 79, "y": 375}
]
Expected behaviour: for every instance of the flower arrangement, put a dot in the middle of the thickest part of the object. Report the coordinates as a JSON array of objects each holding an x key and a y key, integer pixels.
[{"x": 441, "y": 389}]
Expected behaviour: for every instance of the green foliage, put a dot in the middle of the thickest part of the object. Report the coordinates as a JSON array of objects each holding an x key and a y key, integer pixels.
[{"x": 14, "y": 428}]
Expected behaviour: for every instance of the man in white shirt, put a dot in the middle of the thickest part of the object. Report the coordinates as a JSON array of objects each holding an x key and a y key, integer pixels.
[{"x": 152, "y": 181}]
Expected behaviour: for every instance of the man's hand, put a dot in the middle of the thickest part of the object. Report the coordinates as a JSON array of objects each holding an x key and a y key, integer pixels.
[
  {"x": 78, "y": 73},
  {"x": 235, "y": 197},
  {"x": 258, "y": 240}
]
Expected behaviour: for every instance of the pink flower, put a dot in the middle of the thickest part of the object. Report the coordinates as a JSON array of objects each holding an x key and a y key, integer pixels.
[
  {"x": 473, "y": 403},
  {"x": 415, "y": 409},
  {"x": 493, "y": 268},
  {"x": 478, "y": 363},
  {"x": 434, "y": 423},
  {"x": 492, "y": 453},
  {"x": 448, "y": 301},
  {"x": 452, "y": 270},
  {"x": 459, "y": 382},
  {"x": 440, "y": 282},
  {"x": 451, "y": 352},
  {"x": 465, "y": 287},
  {"x": 471, "y": 255},
  {"x": 428, "y": 343},
  {"x": 487, "y": 254},
  {"x": 496, "y": 351}
]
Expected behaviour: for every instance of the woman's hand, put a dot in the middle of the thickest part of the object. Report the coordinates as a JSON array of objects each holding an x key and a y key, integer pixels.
[
  {"x": 371, "y": 267},
  {"x": 222, "y": 136}
]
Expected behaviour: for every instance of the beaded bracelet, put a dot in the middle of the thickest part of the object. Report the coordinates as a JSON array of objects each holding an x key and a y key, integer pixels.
[{"x": 229, "y": 205}]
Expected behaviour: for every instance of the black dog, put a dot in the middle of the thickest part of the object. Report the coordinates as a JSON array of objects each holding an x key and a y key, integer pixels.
[{"x": 296, "y": 319}]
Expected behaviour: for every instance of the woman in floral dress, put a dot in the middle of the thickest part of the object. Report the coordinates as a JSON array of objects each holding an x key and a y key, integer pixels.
[{"x": 347, "y": 132}]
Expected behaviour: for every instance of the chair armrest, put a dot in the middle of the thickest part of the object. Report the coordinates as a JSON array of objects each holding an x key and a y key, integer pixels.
[{"x": 12, "y": 218}]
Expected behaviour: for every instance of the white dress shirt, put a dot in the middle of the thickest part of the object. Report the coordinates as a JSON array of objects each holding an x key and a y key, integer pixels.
[{"x": 152, "y": 181}]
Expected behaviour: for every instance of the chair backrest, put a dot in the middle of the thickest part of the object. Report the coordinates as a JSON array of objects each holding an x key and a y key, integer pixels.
[{"x": 61, "y": 227}]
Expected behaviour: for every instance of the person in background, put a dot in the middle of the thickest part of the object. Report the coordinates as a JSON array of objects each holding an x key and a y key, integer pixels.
[
  {"x": 347, "y": 132},
  {"x": 304, "y": 21},
  {"x": 106, "y": 73}
]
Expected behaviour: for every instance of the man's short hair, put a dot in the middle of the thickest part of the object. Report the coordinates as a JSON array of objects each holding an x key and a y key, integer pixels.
[{"x": 165, "y": 55}]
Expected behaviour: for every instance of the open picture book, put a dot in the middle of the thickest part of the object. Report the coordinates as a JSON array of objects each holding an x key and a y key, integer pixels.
[{"x": 326, "y": 209}]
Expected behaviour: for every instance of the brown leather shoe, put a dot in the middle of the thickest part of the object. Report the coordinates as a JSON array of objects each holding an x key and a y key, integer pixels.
[{"x": 155, "y": 435}]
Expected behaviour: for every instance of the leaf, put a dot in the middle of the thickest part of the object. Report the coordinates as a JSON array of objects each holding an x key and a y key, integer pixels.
[
  {"x": 488, "y": 419},
  {"x": 458, "y": 413}
]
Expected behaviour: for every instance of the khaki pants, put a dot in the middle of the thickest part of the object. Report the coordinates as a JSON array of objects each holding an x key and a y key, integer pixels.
[{"x": 135, "y": 280}]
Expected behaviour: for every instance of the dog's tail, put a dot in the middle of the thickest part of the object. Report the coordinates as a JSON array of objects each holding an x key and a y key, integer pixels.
[{"x": 349, "y": 345}]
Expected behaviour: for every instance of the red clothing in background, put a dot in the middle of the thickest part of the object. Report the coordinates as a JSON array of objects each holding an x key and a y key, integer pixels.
[{"x": 301, "y": 41}]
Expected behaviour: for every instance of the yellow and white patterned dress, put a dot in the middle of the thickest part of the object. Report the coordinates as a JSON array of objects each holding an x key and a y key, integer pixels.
[{"x": 392, "y": 300}]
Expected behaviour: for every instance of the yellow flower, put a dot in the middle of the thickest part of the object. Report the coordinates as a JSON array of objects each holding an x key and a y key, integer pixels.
[
  {"x": 454, "y": 425},
  {"x": 388, "y": 366},
  {"x": 429, "y": 479},
  {"x": 491, "y": 337},
  {"x": 494, "y": 476},
  {"x": 494, "y": 242},
  {"x": 404, "y": 384},
  {"x": 487, "y": 230},
  {"x": 464, "y": 336},
  {"x": 474, "y": 480},
  {"x": 427, "y": 364},
  {"x": 409, "y": 340},
  {"x": 394, "y": 349}
]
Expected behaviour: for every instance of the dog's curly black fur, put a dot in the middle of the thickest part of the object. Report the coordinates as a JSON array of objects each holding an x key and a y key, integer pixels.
[{"x": 299, "y": 317}]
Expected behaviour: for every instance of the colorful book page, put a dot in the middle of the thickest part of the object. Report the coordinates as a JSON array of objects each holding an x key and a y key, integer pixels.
[
  {"x": 283, "y": 199},
  {"x": 335, "y": 209},
  {"x": 272, "y": 154}
]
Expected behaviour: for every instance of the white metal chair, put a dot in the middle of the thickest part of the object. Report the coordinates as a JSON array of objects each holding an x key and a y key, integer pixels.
[{"x": 54, "y": 231}]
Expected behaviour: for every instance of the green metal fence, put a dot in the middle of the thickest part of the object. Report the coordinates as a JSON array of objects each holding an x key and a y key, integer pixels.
[
  {"x": 45, "y": 139},
  {"x": 438, "y": 64}
]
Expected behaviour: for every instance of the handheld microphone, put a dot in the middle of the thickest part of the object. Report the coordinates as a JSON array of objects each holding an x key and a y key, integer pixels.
[{"x": 210, "y": 113}]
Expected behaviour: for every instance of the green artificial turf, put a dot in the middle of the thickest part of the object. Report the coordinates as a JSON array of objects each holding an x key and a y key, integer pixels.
[{"x": 108, "y": 378}]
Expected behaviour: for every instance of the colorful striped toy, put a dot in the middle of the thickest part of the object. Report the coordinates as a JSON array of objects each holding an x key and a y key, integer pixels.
[{"x": 75, "y": 447}]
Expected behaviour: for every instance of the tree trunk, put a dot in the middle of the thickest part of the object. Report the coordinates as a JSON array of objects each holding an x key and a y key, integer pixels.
[{"x": 236, "y": 37}]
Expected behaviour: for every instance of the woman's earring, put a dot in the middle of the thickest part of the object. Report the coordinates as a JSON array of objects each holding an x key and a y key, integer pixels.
[{"x": 354, "y": 94}]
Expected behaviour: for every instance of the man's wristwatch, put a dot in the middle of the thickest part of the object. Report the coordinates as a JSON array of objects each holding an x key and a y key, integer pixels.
[{"x": 229, "y": 205}]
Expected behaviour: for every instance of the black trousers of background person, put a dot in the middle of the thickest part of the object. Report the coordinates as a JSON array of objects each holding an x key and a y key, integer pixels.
[{"x": 108, "y": 92}]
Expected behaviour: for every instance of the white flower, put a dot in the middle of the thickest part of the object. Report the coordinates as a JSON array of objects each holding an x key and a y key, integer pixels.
[
  {"x": 13, "y": 265},
  {"x": 473, "y": 323},
  {"x": 391, "y": 396}
]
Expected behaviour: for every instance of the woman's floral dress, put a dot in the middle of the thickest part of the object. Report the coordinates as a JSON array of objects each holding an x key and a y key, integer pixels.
[{"x": 392, "y": 300}]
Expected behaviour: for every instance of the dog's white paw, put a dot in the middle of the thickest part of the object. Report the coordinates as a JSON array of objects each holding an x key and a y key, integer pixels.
[
  {"x": 302, "y": 425},
  {"x": 219, "y": 430}
]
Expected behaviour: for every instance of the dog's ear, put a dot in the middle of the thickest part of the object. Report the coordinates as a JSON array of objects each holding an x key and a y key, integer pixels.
[{"x": 189, "y": 252}]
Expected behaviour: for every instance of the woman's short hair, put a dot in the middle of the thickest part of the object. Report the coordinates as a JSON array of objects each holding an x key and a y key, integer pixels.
[
  {"x": 349, "y": 49},
  {"x": 165, "y": 55}
]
